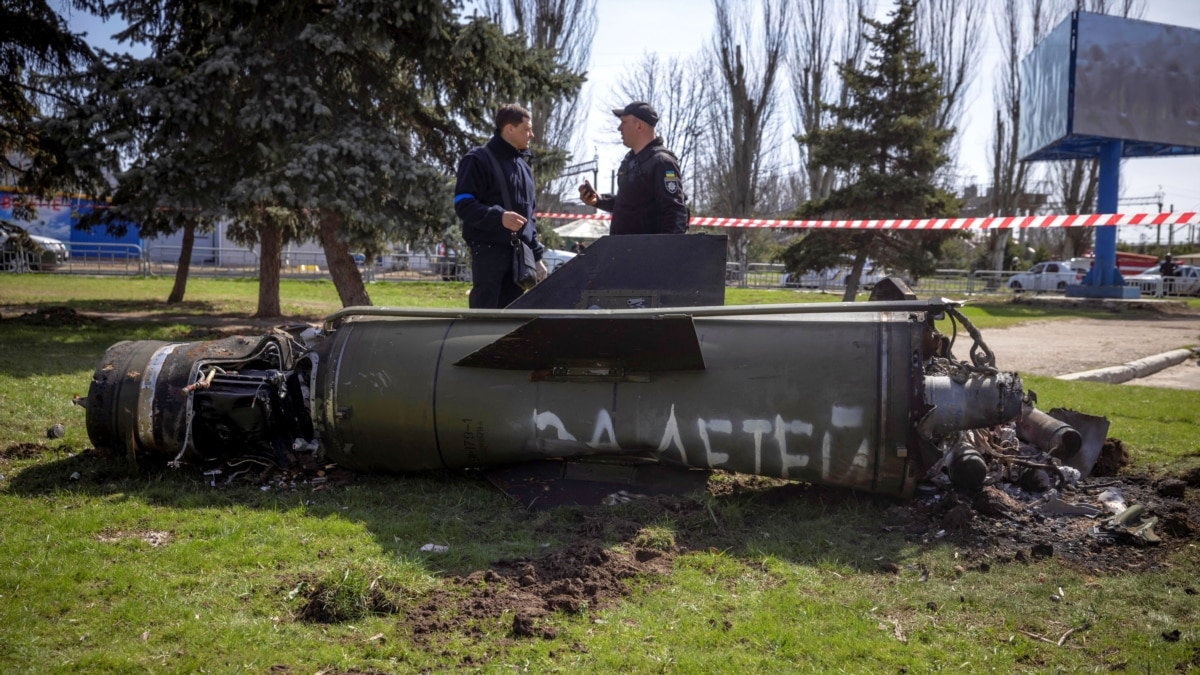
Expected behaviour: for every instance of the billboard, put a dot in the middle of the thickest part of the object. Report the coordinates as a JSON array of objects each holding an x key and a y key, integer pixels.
[{"x": 1096, "y": 78}]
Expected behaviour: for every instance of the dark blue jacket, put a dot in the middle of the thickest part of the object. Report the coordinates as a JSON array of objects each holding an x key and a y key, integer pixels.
[{"x": 479, "y": 201}]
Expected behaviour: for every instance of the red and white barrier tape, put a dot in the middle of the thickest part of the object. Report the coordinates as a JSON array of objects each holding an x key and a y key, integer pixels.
[{"x": 993, "y": 223}]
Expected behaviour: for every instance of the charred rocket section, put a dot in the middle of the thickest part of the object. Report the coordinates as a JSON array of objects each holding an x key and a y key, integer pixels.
[{"x": 866, "y": 396}]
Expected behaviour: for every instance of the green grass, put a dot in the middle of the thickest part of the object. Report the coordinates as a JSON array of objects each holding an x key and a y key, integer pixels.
[
  {"x": 305, "y": 299},
  {"x": 106, "y": 570}
]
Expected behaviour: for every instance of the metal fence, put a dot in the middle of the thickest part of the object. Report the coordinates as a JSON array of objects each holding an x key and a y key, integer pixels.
[
  {"x": 90, "y": 258},
  {"x": 159, "y": 260}
]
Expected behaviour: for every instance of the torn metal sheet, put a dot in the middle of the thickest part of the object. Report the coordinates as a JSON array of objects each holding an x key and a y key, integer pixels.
[{"x": 1092, "y": 429}]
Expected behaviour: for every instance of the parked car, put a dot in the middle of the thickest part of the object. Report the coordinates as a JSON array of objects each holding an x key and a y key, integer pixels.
[
  {"x": 1186, "y": 282},
  {"x": 21, "y": 251},
  {"x": 826, "y": 278},
  {"x": 555, "y": 259},
  {"x": 1045, "y": 276},
  {"x": 872, "y": 274},
  {"x": 451, "y": 266}
]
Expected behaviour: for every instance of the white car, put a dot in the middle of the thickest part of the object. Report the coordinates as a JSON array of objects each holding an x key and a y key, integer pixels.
[
  {"x": 826, "y": 278},
  {"x": 47, "y": 253},
  {"x": 1045, "y": 276},
  {"x": 554, "y": 258},
  {"x": 1185, "y": 282}
]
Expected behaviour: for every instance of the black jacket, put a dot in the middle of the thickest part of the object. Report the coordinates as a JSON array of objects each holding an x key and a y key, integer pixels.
[
  {"x": 649, "y": 197},
  {"x": 479, "y": 201}
]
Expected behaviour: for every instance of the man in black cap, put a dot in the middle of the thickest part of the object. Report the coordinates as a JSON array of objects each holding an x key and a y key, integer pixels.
[{"x": 649, "y": 197}]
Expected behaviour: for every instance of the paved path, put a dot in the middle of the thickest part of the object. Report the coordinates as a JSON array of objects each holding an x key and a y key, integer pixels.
[{"x": 1064, "y": 346}]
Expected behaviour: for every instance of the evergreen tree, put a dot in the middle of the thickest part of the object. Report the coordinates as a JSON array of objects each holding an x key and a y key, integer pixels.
[
  {"x": 889, "y": 148},
  {"x": 35, "y": 46},
  {"x": 336, "y": 121}
]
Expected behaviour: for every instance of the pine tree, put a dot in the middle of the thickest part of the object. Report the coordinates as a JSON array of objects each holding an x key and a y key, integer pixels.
[
  {"x": 887, "y": 145},
  {"x": 335, "y": 121},
  {"x": 35, "y": 46}
]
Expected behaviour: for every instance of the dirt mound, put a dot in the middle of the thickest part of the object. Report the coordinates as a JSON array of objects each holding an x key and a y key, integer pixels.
[
  {"x": 56, "y": 317},
  {"x": 23, "y": 450},
  {"x": 584, "y": 577}
]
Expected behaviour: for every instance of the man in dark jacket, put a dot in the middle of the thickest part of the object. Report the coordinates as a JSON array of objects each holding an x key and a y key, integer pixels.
[
  {"x": 649, "y": 197},
  {"x": 1169, "y": 269},
  {"x": 494, "y": 198}
]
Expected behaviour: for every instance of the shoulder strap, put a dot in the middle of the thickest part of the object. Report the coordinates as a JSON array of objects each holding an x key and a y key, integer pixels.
[{"x": 499, "y": 174}]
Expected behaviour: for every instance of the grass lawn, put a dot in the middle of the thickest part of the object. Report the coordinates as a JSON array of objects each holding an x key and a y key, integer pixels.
[{"x": 103, "y": 569}]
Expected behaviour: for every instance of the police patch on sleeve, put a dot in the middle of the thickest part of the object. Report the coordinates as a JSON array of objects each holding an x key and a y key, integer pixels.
[{"x": 671, "y": 182}]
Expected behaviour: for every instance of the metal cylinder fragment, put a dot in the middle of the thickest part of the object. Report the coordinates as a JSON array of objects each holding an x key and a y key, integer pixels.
[
  {"x": 967, "y": 468},
  {"x": 973, "y": 403},
  {"x": 1049, "y": 434}
]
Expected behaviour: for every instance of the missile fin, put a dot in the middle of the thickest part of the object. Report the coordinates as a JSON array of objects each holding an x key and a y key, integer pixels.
[{"x": 633, "y": 344}]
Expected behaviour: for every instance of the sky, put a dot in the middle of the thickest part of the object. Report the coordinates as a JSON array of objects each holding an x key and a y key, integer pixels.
[{"x": 628, "y": 29}]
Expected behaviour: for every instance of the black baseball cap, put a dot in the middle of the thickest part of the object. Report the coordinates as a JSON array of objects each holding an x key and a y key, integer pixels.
[{"x": 639, "y": 109}]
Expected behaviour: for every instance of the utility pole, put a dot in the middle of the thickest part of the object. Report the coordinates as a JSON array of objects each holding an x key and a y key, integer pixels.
[{"x": 1155, "y": 199}]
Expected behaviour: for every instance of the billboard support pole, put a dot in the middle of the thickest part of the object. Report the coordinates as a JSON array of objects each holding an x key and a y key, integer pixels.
[
  {"x": 1105, "y": 280},
  {"x": 1108, "y": 191}
]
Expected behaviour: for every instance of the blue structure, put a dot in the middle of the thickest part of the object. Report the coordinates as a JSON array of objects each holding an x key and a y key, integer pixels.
[
  {"x": 58, "y": 218},
  {"x": 1105, "y": 87}
]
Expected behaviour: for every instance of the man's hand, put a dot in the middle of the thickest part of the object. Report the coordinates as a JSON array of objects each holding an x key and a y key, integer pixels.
[
  {"x": 542, "y": 272},
  {"x": 587, "y": 195},
  {"x": 512, "y": 221}
]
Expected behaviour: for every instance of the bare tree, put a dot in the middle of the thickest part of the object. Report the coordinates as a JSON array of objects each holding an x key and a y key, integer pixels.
[
  {"x": 1075, "y": 182},
  {"x": 678, "y": 89},
  {"x": 749, "y": 57},
  {"x": 825, "y": 33},
  {"x": 1021, "y": 24},
  {"x": 565, "y": 28},
  {"x": 950, "y": 33}
]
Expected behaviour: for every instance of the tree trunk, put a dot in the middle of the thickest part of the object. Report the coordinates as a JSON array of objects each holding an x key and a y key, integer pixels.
[
  {"x": 997, "y": 245},
  {"x": 185, "y": 263},
  {"x": 270, "y": 238},
  {"x": 346, "y": 278},
  {"x": 860, "y": 261},
  {"x": 736, "y": 249}
]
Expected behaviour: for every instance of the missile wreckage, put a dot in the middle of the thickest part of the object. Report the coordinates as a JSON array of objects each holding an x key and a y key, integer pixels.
[{"x": 868, "y": 396}]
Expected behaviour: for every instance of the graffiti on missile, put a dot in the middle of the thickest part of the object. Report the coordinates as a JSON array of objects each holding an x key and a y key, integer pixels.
[{"x": 788, "y": 442}]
